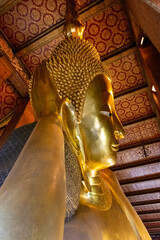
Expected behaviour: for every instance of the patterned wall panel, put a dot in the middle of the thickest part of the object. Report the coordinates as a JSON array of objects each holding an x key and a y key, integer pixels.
[
  {"x": 153, "y": 150},
  {"x": 140, "y": 186},
  {"x": 33, "y": 59},
  {"x": 31, "y": 17},
  {"x": 108, "y": 30},
  {"x": 138, "y": 171},
  {"x": 148, "y": 207},
  {"x": 9, "y": 98},
  {"x": 144, "y": 197},
  {"x": 125, "y": 71},
  {"x": 132, "y": 106},
  {"x": 130, "y": 155},
  {"x": 140, "y": 132}
]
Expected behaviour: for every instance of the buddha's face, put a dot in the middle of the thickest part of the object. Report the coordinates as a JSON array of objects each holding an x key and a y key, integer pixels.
[{"x": 100, "y": 127}]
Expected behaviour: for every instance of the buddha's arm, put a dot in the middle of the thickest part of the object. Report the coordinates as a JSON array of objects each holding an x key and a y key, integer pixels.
[{"x": 32, "y": 199}]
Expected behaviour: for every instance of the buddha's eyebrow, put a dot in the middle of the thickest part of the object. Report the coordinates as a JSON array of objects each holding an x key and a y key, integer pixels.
[{"x": 106, "y": 113}]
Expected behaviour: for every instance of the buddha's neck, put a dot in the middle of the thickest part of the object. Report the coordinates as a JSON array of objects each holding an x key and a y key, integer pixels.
[{"x": 98, "y": 194}]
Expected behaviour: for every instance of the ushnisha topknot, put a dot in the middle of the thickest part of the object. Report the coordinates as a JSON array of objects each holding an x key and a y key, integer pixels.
[{"x": 72, "y": 66}]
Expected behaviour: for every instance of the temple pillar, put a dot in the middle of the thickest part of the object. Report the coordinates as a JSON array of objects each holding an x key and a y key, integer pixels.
[{"x": 147, "y": 14}]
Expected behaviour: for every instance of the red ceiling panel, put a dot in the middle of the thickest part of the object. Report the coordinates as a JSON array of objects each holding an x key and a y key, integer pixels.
[
  {"x": 125, "y": 71},
  {"x": 141, "y": 131},
  {"x": 139, "y": 186},
  {"x": 144, "y": 197},
  {"x": 33, "y": 59},
  {"x": 109, "y": 30},
  {"x": 132, "y": 106},
  {"x": 138, "y": 171},
  {"x": 30, "y": 17},
  {"x": 9, "y": 98}
]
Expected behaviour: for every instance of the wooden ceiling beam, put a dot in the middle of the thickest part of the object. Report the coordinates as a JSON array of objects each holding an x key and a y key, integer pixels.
[
  {"x": 141, "y": 162},
  {"x": 148, "y": 211},
  {"x": 142, "y": 203},
  {"x": 143, "y": 191},
  {"x": 5, "y": 5},
  {"x": 151, "y": 220},
  {"x": 139, "y": 144},
  {"x": 140, "y": 179}
]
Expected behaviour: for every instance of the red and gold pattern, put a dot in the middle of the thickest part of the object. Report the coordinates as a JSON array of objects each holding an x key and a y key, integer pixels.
[
  {"x": 141, "y": 131},
  {"x": 109, "y": 30},
  {"x": 132, "y": 106},
  {"x": 9, "y": 98},
  {"x": 35, "y": 58},
  {"x": 31, "y": 17},
  {"x": 125, "y": 71}
]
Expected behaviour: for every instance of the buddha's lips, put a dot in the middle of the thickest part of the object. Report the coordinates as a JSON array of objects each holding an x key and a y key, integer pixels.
[{"x": 115, "y": 147}]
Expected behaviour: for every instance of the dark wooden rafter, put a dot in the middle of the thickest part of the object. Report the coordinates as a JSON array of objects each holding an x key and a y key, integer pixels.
[
  {"x": 142, "y": 203},
  {"x": 151, "y": 220},
  {"x": 144, "y": 191},
  {"x": 148, "y": 211}
]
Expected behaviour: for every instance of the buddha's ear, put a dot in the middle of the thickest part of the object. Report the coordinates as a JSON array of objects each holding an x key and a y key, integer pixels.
[{"x": 70, "y": 124}]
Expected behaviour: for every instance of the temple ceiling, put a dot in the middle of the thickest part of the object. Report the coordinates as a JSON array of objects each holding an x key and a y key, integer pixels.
[{"x": 29, "y": 32}]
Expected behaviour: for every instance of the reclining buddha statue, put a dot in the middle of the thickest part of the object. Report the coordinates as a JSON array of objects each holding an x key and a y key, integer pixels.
[{"x": 72, "y": 99}]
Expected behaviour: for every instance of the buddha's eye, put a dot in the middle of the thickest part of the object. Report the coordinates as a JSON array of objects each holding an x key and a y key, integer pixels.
[{"x": 106, "y": 113}]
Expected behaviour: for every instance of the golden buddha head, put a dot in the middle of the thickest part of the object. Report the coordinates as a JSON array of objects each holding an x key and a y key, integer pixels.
[{"x": 76, "y": 72}]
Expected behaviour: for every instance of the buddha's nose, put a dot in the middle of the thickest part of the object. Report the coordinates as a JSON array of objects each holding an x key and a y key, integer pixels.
[{"x": 118, "y": 128}]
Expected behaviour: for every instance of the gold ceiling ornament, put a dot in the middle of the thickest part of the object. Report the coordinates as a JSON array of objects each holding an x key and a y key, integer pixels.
[{"x": 73, "y": 26}]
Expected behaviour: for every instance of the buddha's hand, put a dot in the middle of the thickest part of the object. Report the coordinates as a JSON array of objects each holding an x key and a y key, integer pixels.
[{"x": 43, "y": 94}]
